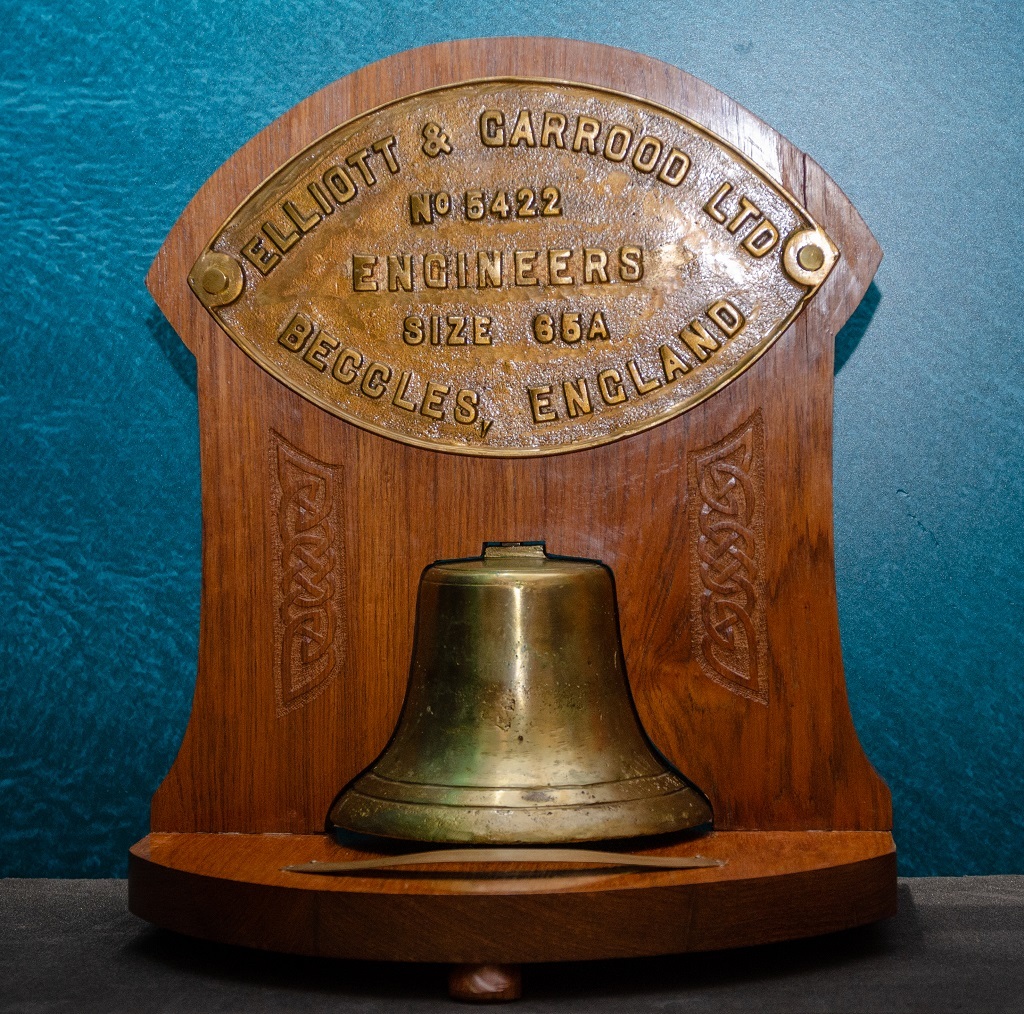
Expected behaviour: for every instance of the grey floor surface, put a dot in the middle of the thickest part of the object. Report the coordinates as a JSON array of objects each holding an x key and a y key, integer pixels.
[{"x": 956, "y": 945}]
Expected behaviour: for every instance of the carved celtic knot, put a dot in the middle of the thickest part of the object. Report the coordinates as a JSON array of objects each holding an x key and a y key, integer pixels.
[
  {"x": 727, "y": 528},
  {"x": 307, "y": 577}
]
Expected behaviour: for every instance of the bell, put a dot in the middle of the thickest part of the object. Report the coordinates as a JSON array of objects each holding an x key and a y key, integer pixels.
[{"x": 518, "y": 725}]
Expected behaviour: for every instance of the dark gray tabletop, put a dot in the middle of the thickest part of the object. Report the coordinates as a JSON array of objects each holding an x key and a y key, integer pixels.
[{"x": 956, "y": 945}]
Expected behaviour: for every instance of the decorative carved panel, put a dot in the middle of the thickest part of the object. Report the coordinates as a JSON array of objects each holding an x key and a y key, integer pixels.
[
  {"x": 727, "y": 528},
  {"x": 309, "y": 642}
]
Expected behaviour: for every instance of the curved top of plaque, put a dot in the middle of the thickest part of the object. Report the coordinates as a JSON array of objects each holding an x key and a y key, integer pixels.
[{"x": 509, "y": 264}]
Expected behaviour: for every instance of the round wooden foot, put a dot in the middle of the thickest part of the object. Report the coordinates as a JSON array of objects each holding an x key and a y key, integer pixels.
[{"x": 485, "y": 983}]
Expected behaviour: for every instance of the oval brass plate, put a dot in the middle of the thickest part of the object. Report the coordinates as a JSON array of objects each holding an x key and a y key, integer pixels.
[{"x": 512, "y": 267}]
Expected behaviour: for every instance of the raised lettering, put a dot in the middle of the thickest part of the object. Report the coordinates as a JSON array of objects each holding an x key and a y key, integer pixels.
[
  {"x": 456, "y": 336},
  {"x": 433, "y": 400},
  {"x": 388, "y": 147},
  {"x": 296, "y": 331},
  {"x": 442, "y": 304},
  {"x": 413, "y": 331},
  {"x": 553, "y": 130},
  {"x": 642, "y": 386},
  {"x": 304, "y": 222},
  {"x": 673, "y": 365},
  {"x": 577, "y": 397},
  {"x": 595, "y": 266},
  {"x": 488, "y": 269},
  {"x": 631, "y": 264},
  {"x": 609, "y": 384},
  {"x": 322, "y": 345},
  {"x": 283, "y": 241},
  {"x": 647, "y": 153},
  {"x": 587, "y": 129},
  {"x": 375, "y": 381},
  {"x": 346, "y": 366},
  {"x": 524, "y": 260},
  {"x": 358, "y": 160},
  {"x": 713, "y": 207},
  {"x": 522, "y": 132},
  {"x": 363, "y": 268},
  {"x": 399, "y": 399},
  {"x": 558, "y": 261},
  {"x": 466, "y": 407},
  {"x": 420, "y": 209},
  {"x": 748, "y": 211},
  {"x": 339, "y": 183},
  {"x": 598, "y": 328},
  {"x": 399, "y": 273},
  {"x": 698, "y": 341},
  {"x": 540, "y": 404},
  {"x": 321, "y": 198},
  {"x": 728, "y": 317},
  {"x": 435, "y": 271},
  {"x": 543, "y": 329},
  {"x": 571, "y": 332},
  {"x": 762, "y": 240},
  {"x": 616, "y": 146},
  {"x": 676, "y": 166},
  {"x": 492, "y": 128},
  {"x": 481, "y": 330}
]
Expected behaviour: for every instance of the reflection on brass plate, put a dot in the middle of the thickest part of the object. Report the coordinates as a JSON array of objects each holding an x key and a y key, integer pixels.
[{"x": 512, "y": 267}]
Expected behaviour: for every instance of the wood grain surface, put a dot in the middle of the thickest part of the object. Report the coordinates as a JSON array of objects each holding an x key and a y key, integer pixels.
[
  {"x": 773, "y": 886},
  {"x": 266, "y": 751}
]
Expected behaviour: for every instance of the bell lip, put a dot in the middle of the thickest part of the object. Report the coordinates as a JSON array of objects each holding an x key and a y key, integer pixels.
[
  {"x": 685, "y": 809},
  {"x": 633, "y": 789}
]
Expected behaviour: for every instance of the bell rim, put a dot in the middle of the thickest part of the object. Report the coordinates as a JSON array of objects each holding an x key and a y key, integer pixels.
[
  {"x": 654, "y": 785},
  {"x": 683, "y": 809}
]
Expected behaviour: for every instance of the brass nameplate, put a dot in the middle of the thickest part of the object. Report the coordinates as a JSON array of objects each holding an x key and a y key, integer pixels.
[{"x": 512, "y": 267}]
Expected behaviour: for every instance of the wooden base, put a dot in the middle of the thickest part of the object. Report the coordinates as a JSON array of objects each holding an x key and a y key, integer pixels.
[{"x": 773, "y": 886}]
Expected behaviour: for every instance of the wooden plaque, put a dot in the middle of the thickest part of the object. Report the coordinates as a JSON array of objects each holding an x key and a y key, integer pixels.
[{"x": 514, "y": 290}]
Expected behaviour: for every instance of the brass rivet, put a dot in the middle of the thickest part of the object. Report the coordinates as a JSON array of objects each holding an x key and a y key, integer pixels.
[
  {"x": 810, "y": 258},
  {"x": 215, "y": 281}
]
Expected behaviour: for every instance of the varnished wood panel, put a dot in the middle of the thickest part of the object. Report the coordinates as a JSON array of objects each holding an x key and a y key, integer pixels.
[
  {"x": 774, "y": 886},
  {"x": 784, "y": 757}
]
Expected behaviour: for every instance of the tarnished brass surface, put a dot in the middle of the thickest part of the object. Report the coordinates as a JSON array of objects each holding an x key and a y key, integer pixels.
[
  {"x": 512, "y": 267},
  {"x": 518, "y": 725}
]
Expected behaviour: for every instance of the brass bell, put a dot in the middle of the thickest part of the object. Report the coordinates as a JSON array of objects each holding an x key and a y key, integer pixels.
[{"x": 518, "y": 725}]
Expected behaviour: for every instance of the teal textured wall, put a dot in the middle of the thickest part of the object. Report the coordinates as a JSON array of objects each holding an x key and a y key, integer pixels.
[{"x": 113, "y": 114}]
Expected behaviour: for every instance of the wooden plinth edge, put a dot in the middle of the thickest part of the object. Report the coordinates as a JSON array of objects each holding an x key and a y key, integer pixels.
[{"x": 775, "y": 885}]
